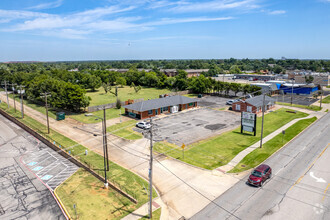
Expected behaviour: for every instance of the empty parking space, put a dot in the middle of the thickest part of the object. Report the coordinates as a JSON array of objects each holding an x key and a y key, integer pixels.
[{"x": 191, "y": 126}]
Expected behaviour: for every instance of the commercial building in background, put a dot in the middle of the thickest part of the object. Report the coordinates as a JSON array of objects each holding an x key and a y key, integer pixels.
[
  {"x": 254, "y": 105},
  {"x": 153, "y": 107}
]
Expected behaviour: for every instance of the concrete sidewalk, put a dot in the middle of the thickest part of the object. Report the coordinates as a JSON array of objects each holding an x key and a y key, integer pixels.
[
  {"x": 248, "y": 150},
  {"x": 144, "y": 210}
]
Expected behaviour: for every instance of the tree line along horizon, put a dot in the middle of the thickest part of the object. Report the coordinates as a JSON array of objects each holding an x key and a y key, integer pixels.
[{"x": 68, "y": 88}]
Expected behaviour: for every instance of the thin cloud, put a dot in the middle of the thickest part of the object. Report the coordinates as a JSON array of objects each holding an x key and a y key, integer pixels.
[
  {"x": 47, "y": 5},
  {"x": 277, "y": 12},
  {"x": 166, "y": 21},
  {"x": 216, "y": 5}
]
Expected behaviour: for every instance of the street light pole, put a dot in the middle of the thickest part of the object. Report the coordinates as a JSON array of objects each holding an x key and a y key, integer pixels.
[
  {"x": 292, "y": 90},
  {"x": 105, "y": 137},
  {"x": 262, "y": 123}
]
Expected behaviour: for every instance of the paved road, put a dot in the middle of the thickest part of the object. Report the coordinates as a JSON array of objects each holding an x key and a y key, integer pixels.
[
  {"x": 299, "y": 188},
  {"x": 22, "y": 194}
]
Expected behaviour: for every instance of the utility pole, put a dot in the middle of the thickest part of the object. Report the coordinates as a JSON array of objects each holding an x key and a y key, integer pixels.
[
  {"x": 21, "y": 93},
  {"x": 262, "y": 123},
  {"x": 13, "y": 84},
  {"x": 46, "y": 94},
  {"x": 321, "y": 98},
  {"x": 150, "y": 172},
  {"x": 105, "y": 137},
  {"x": 5, "y": 83}
]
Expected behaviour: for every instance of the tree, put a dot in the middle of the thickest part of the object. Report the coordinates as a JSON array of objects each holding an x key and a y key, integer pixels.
[
  {"x": 136, "y": 88},
  {"x": 121, "y": 81},
  {"x": 278, "y": 69},
  {"x": 235, "y": 87},
  {"x": 234, "y": 69},
  {"x": 118, "y": 104},
  {"x": 309, "y": 79},
  {"x": 106, "y": 87},
  {"x": 246, "y": 89},
  {"x": 197, "y": 85}
]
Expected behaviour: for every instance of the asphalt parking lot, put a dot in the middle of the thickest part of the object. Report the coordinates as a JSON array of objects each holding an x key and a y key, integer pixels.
[
  {"x": 296, "y": 99},
  {"x": 26, "y": 191},
  {"x": 213, "y": 101},
  {"x": 190, "y": 126}
]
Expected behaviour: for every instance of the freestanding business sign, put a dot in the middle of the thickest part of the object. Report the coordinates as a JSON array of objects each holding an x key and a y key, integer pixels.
[{"x": 249, "y": 122}]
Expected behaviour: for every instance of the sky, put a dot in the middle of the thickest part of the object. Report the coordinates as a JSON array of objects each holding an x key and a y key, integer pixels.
[{"x": 71, "y": 30}]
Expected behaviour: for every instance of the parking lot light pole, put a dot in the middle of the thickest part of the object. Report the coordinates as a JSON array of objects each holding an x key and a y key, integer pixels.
[
  {"x": 292, "y": 90},
  {"x": 45, "y": 95},
  {"x": 104, "y": 149}
]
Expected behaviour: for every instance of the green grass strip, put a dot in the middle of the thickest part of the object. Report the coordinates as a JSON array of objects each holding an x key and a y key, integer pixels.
[
  {"x": 259, "y": 155},
  {"x": 155, "y": 215},
  {"x": 311, "y": 107},
  {"x": 218, "y": 151},
  {"x": 326, "y": 100},
  {"x": 125, "y": 130}
]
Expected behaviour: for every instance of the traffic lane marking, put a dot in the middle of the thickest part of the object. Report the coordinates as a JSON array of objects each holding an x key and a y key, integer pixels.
[
  {"x": 302, "y": 176},
  {"x": 325, "y": 192}
]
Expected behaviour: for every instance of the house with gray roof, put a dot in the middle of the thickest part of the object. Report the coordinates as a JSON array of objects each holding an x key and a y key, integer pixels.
[
  {"x": 254, "y": 104},
  {"x": 153, "y": 107}
]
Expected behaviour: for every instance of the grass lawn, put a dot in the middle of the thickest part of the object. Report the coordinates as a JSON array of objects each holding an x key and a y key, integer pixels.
[
  {"x": 125, "y": 130},
  {"x": 257, "y": 156},
  {"x": 101, "y": 203},
  {"x": 125, "y": 179},
  {"x": 217, "y": 151},
  {"x": 155, "y": 214},
  {"x": 99, "y": 97},
  {"x": 110, "y": 113},
  {"x": 326, "y": 99},
  {"x": 191, "y": 95},
  {"x": 311, "y": 107}
]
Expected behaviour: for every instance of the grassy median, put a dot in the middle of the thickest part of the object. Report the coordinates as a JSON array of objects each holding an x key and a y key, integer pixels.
[
  {"x": 326, "y": 100},
  {"x": 123, "y": 178},
  {"x": 218, "y": 151},
  {"x": 259, "y": 155}
]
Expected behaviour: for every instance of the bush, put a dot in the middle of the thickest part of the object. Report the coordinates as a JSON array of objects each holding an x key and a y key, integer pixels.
[{"x": 118, "y": 104}]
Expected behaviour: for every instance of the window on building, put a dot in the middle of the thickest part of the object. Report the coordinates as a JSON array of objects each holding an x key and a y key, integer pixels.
[
  {"x": 191, "y": 104},
  {"x": 238, "y": 107},
  {"x": 249, "y": 109},
  {"x": 150, "y": 112},
  {"x": 165, "y": 109}
]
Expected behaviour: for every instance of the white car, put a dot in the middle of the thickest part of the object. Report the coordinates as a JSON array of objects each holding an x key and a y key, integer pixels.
[
  {"x": 143, "y": 125},
  {"x": 230, "y": 102}
]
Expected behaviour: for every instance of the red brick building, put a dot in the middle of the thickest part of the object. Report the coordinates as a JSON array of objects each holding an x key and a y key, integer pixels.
[
  {"x": 153, "y": 107},
  {"x": 254, "y": 104}
]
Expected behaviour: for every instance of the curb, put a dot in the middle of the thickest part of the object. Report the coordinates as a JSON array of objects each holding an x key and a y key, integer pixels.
[{"x": 63, "y": 207}]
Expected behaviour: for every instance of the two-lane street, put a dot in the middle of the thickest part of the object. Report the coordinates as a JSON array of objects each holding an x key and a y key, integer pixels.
[{"x": 298, "y": 189}]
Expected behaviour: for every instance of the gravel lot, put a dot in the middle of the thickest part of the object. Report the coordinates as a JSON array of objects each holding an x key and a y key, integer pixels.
[{"x": 194, "y": 125}]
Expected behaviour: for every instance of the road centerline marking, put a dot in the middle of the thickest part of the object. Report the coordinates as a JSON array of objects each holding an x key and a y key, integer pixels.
[{"x": 302, "y": 176}]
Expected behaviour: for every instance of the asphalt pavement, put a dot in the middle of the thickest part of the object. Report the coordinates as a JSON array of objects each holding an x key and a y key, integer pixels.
[
  {"x": 299, "y": 188},
  {"x": 24, "y": 194}
]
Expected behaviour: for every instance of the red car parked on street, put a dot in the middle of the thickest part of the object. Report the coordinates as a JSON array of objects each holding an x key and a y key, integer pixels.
[{"x": 260, "y": 175}]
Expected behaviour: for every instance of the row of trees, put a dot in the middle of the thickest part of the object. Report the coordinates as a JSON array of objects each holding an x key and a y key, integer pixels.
[
  {"x": 223, "y": 64},
  {"x": 202, "y": 84}
]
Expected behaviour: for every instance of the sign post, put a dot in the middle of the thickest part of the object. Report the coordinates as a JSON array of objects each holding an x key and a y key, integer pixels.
[
  {"x": 249, "y": 122},
  {"x": 283, "y": 132},
  {"x": 183, "y": 146}
]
